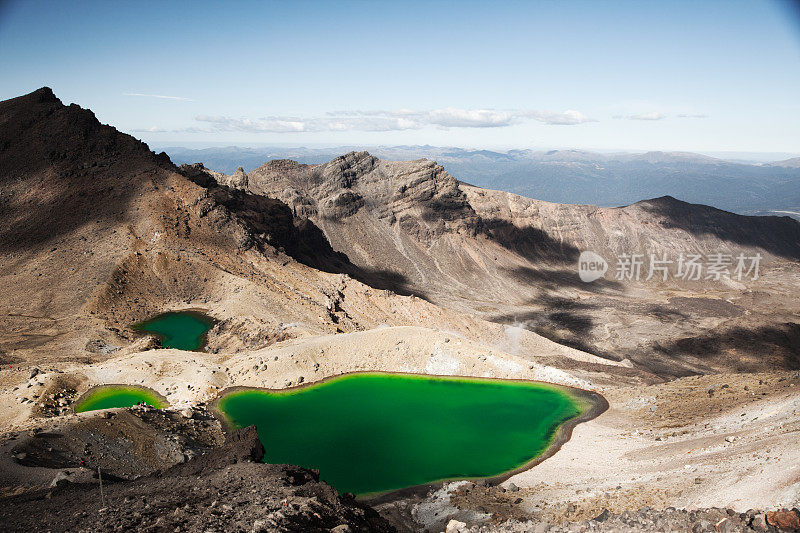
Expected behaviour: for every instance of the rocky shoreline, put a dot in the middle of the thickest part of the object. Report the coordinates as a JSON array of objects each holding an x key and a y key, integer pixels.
[
  {"x": 212, "y": 485},
  {"x": 225, "y": 489}
]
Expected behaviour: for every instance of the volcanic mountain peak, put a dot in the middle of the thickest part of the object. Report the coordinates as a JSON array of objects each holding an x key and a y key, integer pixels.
[
  {"x": 41, "y": 95},
  {"x": 340, "y": 188},
  {"x": 38, "y": 128},
  {"x": 346, "y": 169},
  {"x": 62, "y": 169}
]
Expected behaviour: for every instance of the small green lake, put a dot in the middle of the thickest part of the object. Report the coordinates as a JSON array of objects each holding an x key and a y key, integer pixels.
[
  {"x": 373, "y": 432},
  {"x": 110, "y": 396},
  {"x": 183, "y": 330}
]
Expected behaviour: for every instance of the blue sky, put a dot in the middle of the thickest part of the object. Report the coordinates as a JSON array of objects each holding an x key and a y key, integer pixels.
[{"x": 698, "y": 76}]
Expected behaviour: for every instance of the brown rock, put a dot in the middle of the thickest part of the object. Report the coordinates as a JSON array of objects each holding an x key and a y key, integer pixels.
[{"x": 787, "y": 520}]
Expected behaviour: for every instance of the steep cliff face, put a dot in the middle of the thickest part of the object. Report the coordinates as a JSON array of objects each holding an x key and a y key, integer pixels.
[{"x": 397, "y": 192}]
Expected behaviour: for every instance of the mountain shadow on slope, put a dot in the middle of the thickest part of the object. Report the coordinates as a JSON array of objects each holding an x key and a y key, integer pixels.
[
  {"x": 529, "y": 242},
  {"x": 61, "y": 169},
  {"x": 778, "y": 235},
  {"x": 744, "y": 349},
  {"x": 273, "y": 223}
]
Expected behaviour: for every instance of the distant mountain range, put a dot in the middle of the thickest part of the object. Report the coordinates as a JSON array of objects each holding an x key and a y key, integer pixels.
[{"x": 568, "y": 176}]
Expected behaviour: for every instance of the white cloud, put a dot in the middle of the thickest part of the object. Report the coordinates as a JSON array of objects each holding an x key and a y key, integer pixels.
[
  {"x": 469, "y": 118},
  {"x": 653, "y": 115},
  {"x": 403, "y": 119},
  {"x": 683, "y": 115},
  {"x": 570, "y": 117},
  {"x": 154, "y": 129},
  {"x": 161, "y": 96},
  {"x": 271, "y": 124}
]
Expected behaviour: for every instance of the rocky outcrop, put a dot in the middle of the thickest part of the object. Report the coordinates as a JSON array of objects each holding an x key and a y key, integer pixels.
[
  {"x": 784, "y": 520},
  {"x": 646, "y": 519},
  {"x": 226, "y": 488},
  {"x": 238, "y": 180},
  {"x": 206, "y": 177},
  {"x": 269, "y": 223},
  {"x": 396, "y": 192}
]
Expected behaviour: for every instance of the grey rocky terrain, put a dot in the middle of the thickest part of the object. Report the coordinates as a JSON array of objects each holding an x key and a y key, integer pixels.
[{"x": 224, "y": 489}]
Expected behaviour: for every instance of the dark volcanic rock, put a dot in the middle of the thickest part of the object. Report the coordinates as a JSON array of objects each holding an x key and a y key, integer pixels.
[
  {"x": 51, "y": 160},
  {"x": 125, "y": 444},
  {"x": 223, "y": 490},
  {"x": 270, "y": 222},
  {"x": 241, "y": 446}
]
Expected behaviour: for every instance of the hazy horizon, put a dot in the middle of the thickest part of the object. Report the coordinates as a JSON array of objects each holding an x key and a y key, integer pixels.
[{"x": 734, "y": 156}]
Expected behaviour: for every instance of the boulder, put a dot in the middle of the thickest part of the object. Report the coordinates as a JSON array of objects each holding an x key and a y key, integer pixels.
[
  {"x": 602, "y": 517},
  {"x": 62, "y": 478},
  {"x": 786, "y": 520},
  {"x": 238, "y": 180},
  {"x": 455, "y": 526},
  {"x": 759, "y": 522}
]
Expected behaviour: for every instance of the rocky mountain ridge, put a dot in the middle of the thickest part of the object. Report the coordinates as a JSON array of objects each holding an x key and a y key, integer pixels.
[
  {"x": 514, "y": 259},
  {"x": 567, "y": 176}
]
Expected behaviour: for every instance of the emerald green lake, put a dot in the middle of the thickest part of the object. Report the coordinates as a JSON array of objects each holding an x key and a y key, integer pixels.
[
  {"x": 184, "y": 330},
  {"x": 371, "y": 433},
  {"x": 109, "y": 396}
]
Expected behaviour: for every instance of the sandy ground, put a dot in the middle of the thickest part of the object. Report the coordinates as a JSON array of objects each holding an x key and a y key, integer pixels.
[
  {"x": 668, "y": 445},
  {"x": 726, "y": 440},
  {"x": 187, "y": 378}
]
